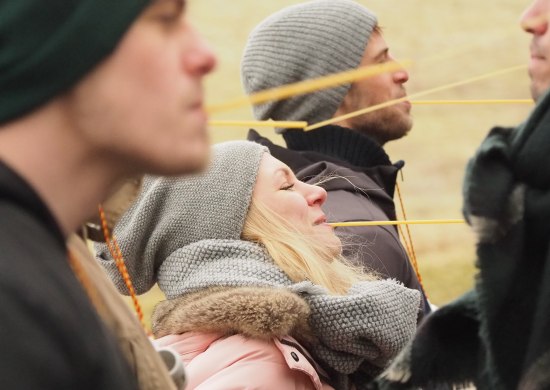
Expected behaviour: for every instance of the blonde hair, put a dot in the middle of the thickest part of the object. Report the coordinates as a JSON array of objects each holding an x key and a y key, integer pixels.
[{"x": 298, "y": 254}]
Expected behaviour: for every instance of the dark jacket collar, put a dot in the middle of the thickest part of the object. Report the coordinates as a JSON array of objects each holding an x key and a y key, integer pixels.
[
  {"x": 15, "y": 190},
  {"x": 339, "y": 142}
]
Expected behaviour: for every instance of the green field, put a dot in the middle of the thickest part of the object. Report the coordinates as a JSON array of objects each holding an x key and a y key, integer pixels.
[{"x": 448, "y": 41}]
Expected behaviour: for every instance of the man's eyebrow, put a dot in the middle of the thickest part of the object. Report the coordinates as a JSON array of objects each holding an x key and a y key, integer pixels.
[
  {"x": 382, "y": 54},
  {"x": 180, "y": 3}
]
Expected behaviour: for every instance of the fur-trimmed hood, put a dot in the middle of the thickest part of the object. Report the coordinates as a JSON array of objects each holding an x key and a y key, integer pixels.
[{"x": 256, "y": 312}]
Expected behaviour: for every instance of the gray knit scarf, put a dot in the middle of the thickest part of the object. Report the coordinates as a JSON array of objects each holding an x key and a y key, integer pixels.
[{"x": 359, "y": 332}]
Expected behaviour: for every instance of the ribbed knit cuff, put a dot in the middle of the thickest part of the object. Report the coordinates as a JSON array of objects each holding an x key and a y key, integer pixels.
[{"x": 339, "y": 142}]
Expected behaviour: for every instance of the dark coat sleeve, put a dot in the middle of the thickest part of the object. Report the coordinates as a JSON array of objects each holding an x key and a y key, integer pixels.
[
  {"x": 445, "y": 353},
  {"x": 378, "y": 248}
]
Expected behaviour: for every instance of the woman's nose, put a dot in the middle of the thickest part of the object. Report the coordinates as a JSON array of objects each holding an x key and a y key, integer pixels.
[{"x": 315, "y": 195}]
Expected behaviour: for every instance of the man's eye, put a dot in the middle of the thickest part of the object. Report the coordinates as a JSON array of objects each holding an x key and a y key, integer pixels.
[
  {"x": 168, "y": 18},
  {"x": 170, "y": 10},
  {"x": 287, "y": 187}
]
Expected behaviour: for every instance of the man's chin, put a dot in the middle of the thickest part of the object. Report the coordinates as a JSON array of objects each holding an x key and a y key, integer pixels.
[
  {"x": 538, "y": 88},
  {"x": 537, "y": 92}
]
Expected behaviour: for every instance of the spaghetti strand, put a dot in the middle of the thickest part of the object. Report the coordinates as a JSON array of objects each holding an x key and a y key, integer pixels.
[{"x": 415, "y": 95}]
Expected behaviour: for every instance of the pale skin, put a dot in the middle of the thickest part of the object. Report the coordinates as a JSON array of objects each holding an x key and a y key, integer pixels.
[
  {"x": 139, "y": 111},
  {"x": 535, "y": 21},
  {"x": 389, "y": 123},
  {"x": 297, "y": 202}
]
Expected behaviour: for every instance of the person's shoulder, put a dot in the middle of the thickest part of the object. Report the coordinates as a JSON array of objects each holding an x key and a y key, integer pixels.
[
  {"x": 235, "y": 361},
  {"x": 336, "y": 174},
  {"x": 247, "y": 349},
  {"x": 357, "y": 204},
  {"x": 35, "y": 274},
  {"x": 294, "y": 159},
  {"x": 49, "y": 333}
]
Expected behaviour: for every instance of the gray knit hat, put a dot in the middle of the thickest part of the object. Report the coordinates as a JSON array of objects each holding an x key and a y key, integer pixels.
[
  {"x": 302, "y": 42},
  {"x": 171, "y": 213}
]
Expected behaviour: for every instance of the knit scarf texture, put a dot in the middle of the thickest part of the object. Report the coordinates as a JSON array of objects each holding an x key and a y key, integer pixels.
[
  {"x": 357, "y": 333},
  {"x": 504, "y": 342}
]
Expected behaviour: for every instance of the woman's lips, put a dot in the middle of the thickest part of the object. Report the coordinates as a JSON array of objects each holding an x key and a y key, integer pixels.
[{"x": 320, "y": 220}]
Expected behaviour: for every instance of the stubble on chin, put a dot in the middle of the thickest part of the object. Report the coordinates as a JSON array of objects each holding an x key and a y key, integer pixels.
[
  {"x": 537, "y": 91},
  {"x": 540, "y": 83}
]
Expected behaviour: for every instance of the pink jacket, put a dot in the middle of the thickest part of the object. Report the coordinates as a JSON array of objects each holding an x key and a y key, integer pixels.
[
  {"x": 239, "y": 338},
  {"x": 213, "y": 361}
]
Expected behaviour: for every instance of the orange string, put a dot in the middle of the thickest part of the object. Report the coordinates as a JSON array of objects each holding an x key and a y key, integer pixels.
[
  {"x": 410, "y": 245},
  {"x": 405, "y": 241},
  {"x": 116, "y": 254}
]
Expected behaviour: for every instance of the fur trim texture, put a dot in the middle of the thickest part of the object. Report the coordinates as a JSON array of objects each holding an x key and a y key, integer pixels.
[{"x": 254, "y": 312}]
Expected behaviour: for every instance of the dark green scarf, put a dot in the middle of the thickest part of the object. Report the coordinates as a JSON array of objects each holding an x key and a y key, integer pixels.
[
  {"x": 46, "y": 46},
  {"x": 497, "y": 336}
]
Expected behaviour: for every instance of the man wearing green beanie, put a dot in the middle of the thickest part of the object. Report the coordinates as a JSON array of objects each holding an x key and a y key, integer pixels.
[{"x": 92, "y": 92}]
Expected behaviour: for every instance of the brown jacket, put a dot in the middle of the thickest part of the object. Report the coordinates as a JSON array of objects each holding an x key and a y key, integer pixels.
[{"x": 146, "y": 363}]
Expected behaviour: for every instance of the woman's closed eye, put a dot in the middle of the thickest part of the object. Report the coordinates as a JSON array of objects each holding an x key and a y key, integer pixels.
[{"x": 287, "y": 187}]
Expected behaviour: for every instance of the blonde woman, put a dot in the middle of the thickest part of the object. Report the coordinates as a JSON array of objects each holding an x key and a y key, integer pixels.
[{"x": 259, "y": 296}]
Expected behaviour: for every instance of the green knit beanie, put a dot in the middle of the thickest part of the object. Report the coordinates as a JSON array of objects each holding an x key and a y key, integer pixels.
[{"x": 47, "y": 46}]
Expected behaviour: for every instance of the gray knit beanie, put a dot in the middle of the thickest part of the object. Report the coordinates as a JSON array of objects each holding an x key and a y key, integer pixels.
[
  {"x": 171, "y": 213},
  {"x": 301, "y": 42}
]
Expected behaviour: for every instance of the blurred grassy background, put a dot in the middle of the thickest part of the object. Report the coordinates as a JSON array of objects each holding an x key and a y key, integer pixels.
[{"x": 471, "y": 38}]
